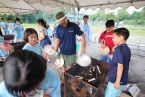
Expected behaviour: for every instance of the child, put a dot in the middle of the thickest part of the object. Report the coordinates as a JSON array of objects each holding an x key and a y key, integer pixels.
[
  {"x": 31, "y": 37},
  {"x": 10, "y": 25},
  {"x": 3, "y": 27},
  {"x": 118, "y": 73},
  {"x": 105, "y": 39},
  {"x": 18, "y": 31},
  {"x": 4, "y": 48},
  {"x": 44, "y": 39},
  {"x": 25, "y": 74}
]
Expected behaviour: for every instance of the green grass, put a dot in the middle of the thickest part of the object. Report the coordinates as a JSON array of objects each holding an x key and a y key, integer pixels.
[
  {"x": 35, "y": 26},
  {"x": 135, "y": 31},
  {"x": 97, "y": 29}
]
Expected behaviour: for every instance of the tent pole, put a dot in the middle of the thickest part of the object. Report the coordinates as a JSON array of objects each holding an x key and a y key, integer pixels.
[
  {"x": 60, "y": 1},
  {"x": 78, "y": 9},
  {"x": 15, "y": 8}
]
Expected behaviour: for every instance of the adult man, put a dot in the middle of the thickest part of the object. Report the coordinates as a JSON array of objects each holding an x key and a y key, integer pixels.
[
  {"x": 66, "y": 39},
  {"x": 86, "y": 28}
]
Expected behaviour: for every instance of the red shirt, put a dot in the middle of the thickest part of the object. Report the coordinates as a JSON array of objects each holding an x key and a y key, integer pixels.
[{"x": 106, "y": 38}]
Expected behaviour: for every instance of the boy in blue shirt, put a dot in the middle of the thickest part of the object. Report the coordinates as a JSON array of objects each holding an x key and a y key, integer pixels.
[
  {"x": 25, "y": 75},
  {"x": 118, "y": 73}
]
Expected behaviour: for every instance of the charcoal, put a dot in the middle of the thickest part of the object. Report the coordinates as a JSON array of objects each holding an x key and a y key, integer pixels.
[{"x": 86, "y": 81}]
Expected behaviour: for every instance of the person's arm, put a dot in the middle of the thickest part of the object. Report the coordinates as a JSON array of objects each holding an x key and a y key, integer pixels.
[
  {"x": 57, "y": 39},
  {"x": 82, "y": 38},
  {"x": 15, "y": 26},
  {"x": 57, "y": 44},
  {"x": 45, "y": 95},
  {"x": 42, "y": 35},
  {"x": 44, "y": 54},
  {"x": 100, "y": 40},
  {"x": 83, "y": 44},
  {"x": 119, "y": 75},
  {"x": 120, "y": 65},
  {"x": 5, "y": 46},
  {"x": 2, "y": 30},
  {"x": 81, "y": 26}
]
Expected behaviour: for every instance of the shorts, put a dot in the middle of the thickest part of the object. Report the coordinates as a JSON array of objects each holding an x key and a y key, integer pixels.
[
  {"x": 112, "y": 92},
  {"x": 69, "y": 60}
]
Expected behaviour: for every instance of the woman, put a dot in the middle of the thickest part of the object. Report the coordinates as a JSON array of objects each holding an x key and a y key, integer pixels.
[{"x": 43, "y": 37}]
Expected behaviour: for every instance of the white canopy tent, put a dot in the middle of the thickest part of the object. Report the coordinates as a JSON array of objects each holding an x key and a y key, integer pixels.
[{"x": 25, "y": 6}]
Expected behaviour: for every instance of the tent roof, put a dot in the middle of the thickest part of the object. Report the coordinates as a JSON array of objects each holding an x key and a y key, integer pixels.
[{"x": 25, "y": 6}]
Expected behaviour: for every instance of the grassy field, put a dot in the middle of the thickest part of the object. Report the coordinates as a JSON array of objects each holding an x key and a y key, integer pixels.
[
  {"x": 97, "y": 29},
  {"x": 134, "y": 31},
  {"x": 137, "y": 31},
  {"x": 35, "y": 26}
]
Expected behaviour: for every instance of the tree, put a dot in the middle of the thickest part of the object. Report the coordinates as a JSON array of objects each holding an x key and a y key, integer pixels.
[
  {"x": 143, "y": 14},
  {"x": 99, "y": 15},
  {"x": 122, "y": 15},
  {"x": 110, "y": 16},
  {"x": 135, "y": 15}
]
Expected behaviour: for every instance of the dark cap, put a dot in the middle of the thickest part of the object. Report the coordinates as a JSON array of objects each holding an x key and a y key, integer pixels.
[{"x": 59, "y": 15}]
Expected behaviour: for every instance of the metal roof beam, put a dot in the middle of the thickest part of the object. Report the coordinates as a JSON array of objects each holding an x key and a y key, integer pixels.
[
  {"x": 130, "y": 1},
  {"x": 9, "y": 8}
]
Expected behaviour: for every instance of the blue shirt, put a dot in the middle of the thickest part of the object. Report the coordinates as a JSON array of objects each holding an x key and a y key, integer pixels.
[
  {"x": 2, "y": 39},
  {"x": 3, "y": 53},
  {"x": 45, "y": 41},
  {"x": 67, "y": 37},
  {"x": 49, "y": 32},
  {"x": 4, "y": 27},
  {"x": 86, "y": 29},
  {"x": 18, "y": 31},
  {"x": 37, "y": 48},
  {"x": 51, "y": 85},
  {"x": 121, "y": 55},
  {"x": 43, "y": 30},
  {"x": 10, "y": 28}
]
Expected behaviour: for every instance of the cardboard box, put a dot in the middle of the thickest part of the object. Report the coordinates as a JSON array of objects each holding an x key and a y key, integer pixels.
[{"x": 132, "y": 89}]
